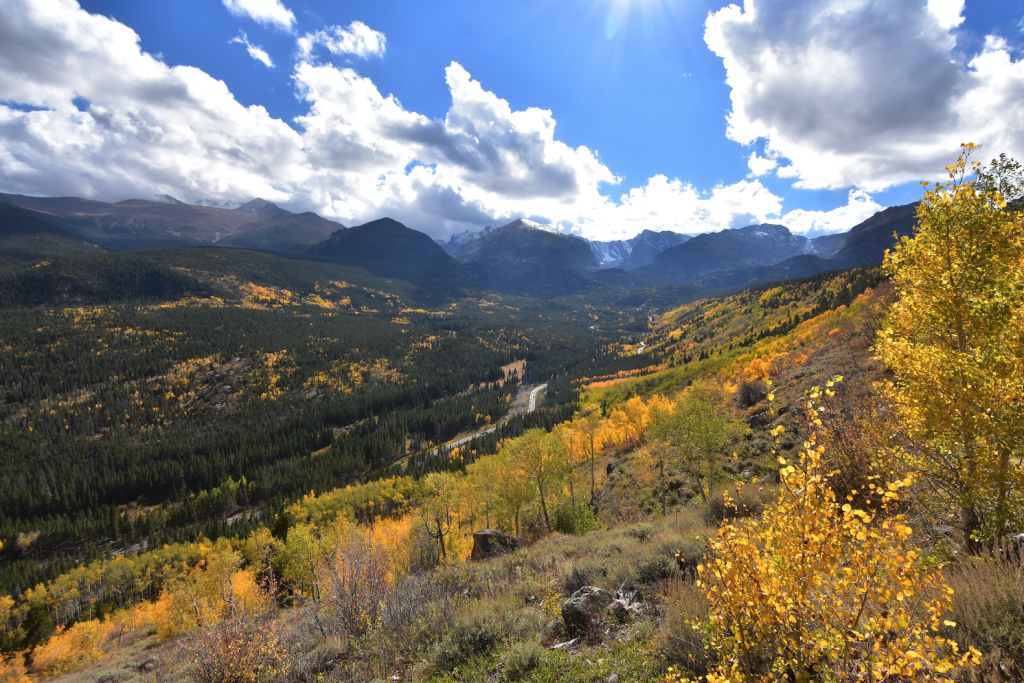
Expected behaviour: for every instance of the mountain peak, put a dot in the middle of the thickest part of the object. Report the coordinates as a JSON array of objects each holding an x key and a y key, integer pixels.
[
  {"x": 261, "y": 206},
  {"x": 520, "y": 223}
]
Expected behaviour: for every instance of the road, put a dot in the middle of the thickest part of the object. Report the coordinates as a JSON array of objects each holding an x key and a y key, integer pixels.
[
  {"x": 533, "y": 397},
  {"x": 467, "y": 439}
]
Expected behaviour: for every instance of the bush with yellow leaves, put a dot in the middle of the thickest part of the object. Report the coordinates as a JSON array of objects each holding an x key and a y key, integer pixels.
[{"x": 823, "y": 590}]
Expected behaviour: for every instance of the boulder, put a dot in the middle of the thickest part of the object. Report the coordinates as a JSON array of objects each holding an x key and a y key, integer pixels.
[
  {"x": 585, "y": 604},
  {"x": 490, "y": 542}
]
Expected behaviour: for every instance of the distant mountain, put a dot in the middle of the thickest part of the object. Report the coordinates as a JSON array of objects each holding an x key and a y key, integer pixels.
[
  {"x": 522, "y": 243},
  {"x": 646, "y": 246},
  {"x": 456, "y": 241},
  {"x": 635, "y": 252},
  {"x": 863, "y": 245},
  {"x": 387, "y": 248},
  {"x": 754, "y": 245},
  {"x": 139, "y": 223},
  {"x": 625, "y": 254},
  {"x": 26, "y": 239}
]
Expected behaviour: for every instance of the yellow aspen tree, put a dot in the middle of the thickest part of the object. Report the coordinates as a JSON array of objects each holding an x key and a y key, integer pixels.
[
  {"x": 511, "y": 484},
  {"x": 574, "y": 444},
  {"x": 541, "y": 458},
  {"x": 955, "y": 341},
  {"x": 819, "y": 590},
  {"x": 438, "y": 508},
  {"x": 588, "y": 422}
]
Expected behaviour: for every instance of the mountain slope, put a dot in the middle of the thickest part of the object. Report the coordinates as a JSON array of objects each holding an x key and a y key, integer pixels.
[
  {"x": 138, "y": 223},
  {"x": 387, "y": 248},
  {"x": 866, "y": 243},
  {"x": 523, "y": 243},
  {"x": 754, "y": 245},
  {"x": 25, "y": 238}
]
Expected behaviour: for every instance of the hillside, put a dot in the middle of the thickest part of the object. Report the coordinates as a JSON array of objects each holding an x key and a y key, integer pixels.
[
  {"x": 26, "y": 239},
  {"x": 138, "y": 224}
]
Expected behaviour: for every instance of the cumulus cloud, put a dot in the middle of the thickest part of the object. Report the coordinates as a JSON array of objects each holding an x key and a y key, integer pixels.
[
  {"x": 358, "y": 39},
  {"x": 255, "y": 51},
  {"x": 84, "y": 111},
  {"x": 148, "y": 128},
  {"x": 760, "y": 166},
  {"x": 866, "y": 93},
  {"x": 859, "y": 207},
  {"x": 263, "y": 11}
]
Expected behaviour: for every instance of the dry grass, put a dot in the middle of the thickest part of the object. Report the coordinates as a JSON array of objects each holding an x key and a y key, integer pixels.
[{"x": 989, "y": 604}]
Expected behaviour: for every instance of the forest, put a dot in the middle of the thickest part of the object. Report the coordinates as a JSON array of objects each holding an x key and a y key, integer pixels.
[{"x": 237, "y": 477}]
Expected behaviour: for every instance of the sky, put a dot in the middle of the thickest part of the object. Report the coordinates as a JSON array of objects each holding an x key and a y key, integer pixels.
[{"x": 600, "y": 117}]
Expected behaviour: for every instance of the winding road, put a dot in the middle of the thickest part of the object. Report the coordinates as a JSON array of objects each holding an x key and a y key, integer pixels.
[
  {"x": 467, "y": 439},
  {"x": 533, "y": 397}
]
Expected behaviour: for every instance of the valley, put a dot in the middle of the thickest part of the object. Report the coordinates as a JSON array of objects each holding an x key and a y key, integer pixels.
[{"x": 303, "y": 425}]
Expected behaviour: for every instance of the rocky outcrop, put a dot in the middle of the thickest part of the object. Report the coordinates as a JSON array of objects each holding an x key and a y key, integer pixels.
[
  {"x": 585, "y": 605},
  {"x": 490, "y": 542}
]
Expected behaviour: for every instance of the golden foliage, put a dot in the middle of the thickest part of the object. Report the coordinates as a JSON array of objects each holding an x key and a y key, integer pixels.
[
  {"x": 822, "y": 590},
  {"x": 955, "y": 341}
]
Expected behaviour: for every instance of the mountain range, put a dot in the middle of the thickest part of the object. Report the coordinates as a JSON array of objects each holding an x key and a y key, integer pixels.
[
  {"x": 140, "y": 223},
  {"x": 521, "y": 257}
]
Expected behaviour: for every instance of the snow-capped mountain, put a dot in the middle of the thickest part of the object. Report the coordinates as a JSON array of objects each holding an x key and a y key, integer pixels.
[{"x": 635, "y": 252}]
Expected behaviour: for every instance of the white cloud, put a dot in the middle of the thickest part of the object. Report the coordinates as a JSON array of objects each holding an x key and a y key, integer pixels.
[
  {"x": 262, "y": 11},
  {"x": 255, "y": 51},
  {"x": 759, "y": 166},
  {"x": 152, "y": 129},
  {"x": 859, "y": 207},
  {"x": 358, "y": 39},
  {"x": 864, "y": 92},
  {"x": 949, "y": 13},
  {"x": 149, "y": 129}
]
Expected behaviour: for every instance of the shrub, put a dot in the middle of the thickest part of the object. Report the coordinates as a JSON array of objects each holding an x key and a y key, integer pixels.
[
  {"x": 824, "y": 590},
  {"x": 237, "y": 650},
  {"x": 576, "y": 520},
  {"x": 521, "y": 659},
  {"x": 480, "y": 626},
  {"x": 750, "y": 393},
  {"x": 749, "y": 503},
  {"x": 582, "y": 575}
]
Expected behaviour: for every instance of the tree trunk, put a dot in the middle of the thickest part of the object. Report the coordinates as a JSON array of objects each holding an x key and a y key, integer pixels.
[
  {"x": 661, "y": 464},
  {"x": 544, "y": 506}
]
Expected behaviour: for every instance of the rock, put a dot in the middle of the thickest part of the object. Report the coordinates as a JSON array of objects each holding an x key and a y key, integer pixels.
[
  {"x": 621, "y": 611},
  {"x": 585, "y": 604},
  {"x": 568, "y": 643},
  {"x": 144, "y": 666},
  {"x": 490, "y": 542},
  {"x": 612, "y": 678}
]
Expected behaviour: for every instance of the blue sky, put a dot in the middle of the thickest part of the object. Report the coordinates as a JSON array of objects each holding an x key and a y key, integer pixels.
[{"x": 845, "y": 103}]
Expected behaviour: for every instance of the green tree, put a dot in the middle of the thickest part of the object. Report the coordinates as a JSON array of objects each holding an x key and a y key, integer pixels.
[
  {"x": 955, "y": 341},
  {"x": 695, "y": 435}
]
